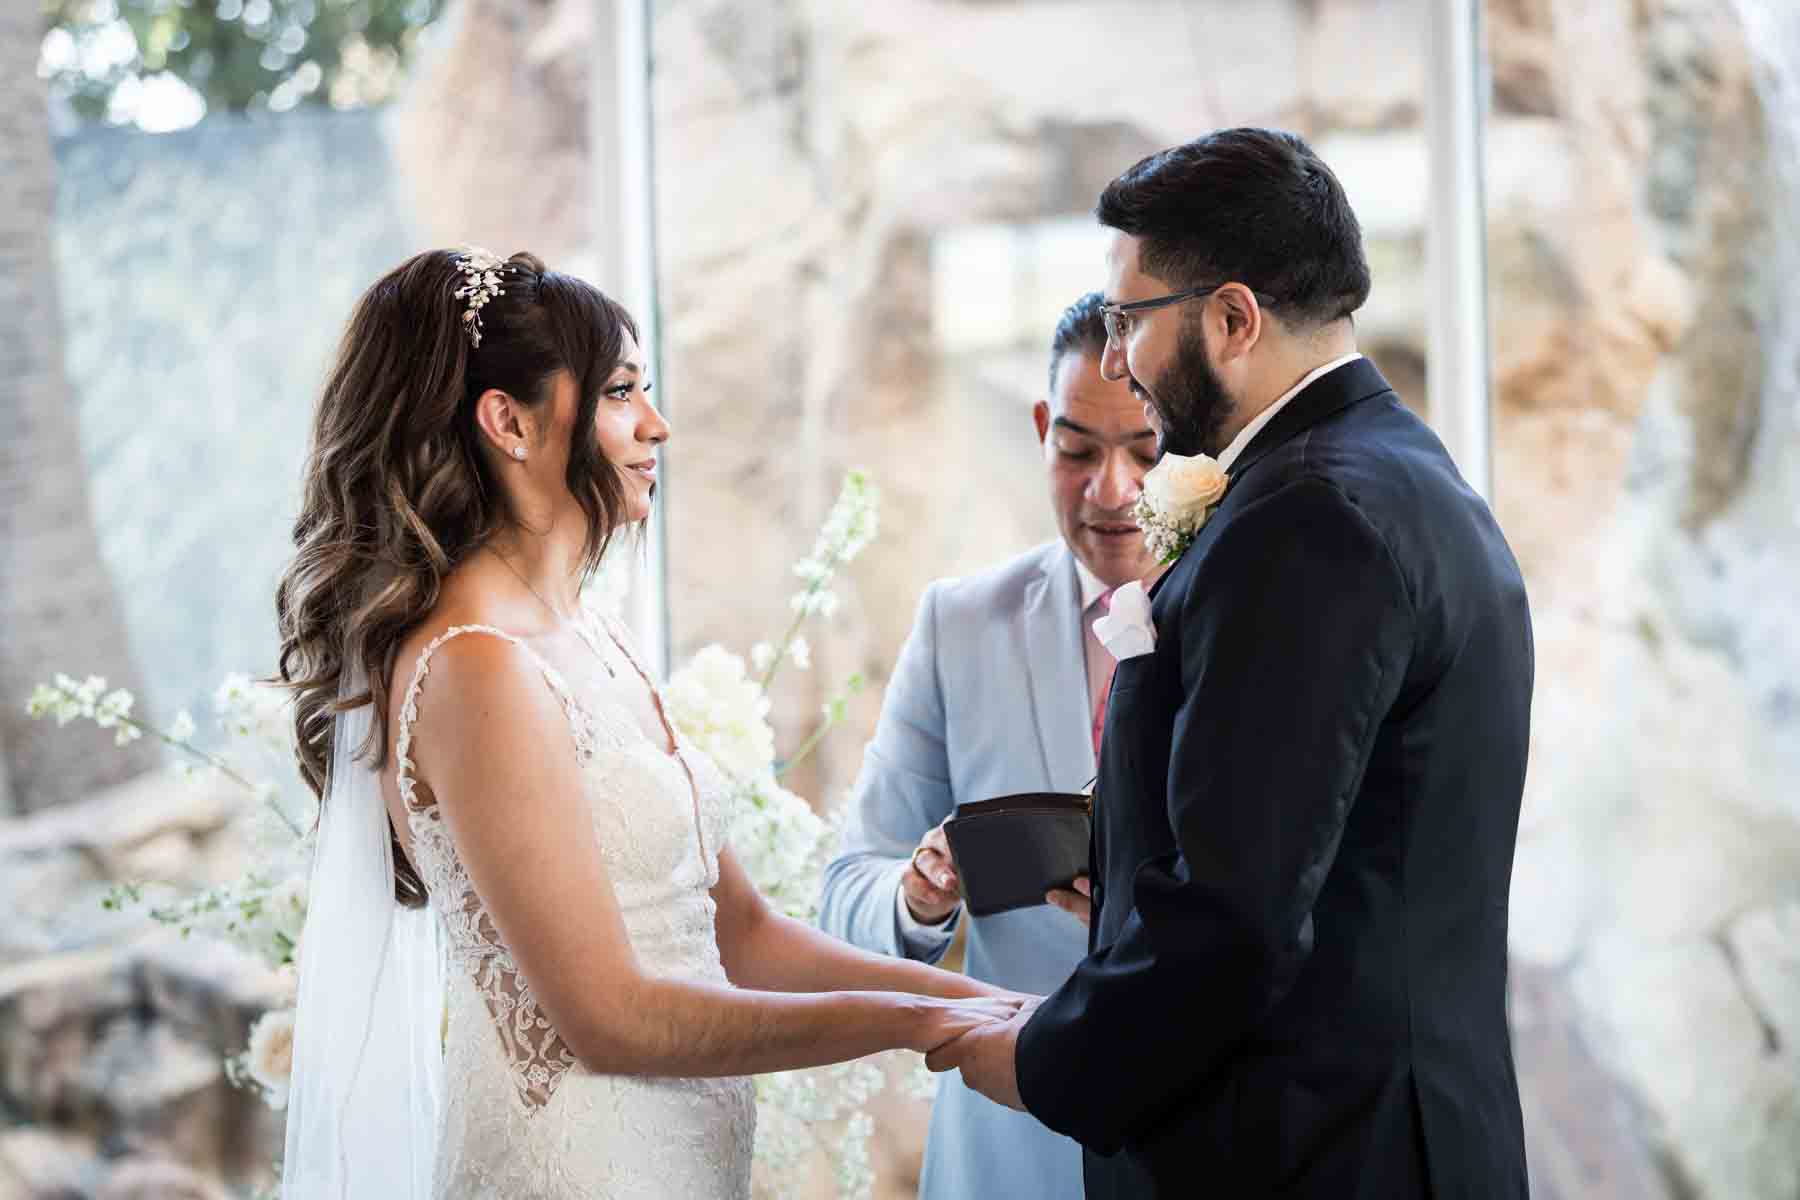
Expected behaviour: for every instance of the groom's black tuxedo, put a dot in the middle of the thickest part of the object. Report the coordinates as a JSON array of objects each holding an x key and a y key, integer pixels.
[{"x": 1303, "y": 841}]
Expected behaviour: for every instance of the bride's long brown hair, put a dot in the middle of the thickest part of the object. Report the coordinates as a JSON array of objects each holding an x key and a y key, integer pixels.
[{"x": 397, "y": 489}]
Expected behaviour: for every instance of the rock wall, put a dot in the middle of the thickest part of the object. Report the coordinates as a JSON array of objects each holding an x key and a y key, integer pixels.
[{"x": 114, "y": 1032}]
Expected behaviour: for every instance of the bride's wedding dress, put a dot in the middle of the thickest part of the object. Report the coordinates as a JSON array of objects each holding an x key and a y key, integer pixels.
[{"x": 522, "y": 1119}]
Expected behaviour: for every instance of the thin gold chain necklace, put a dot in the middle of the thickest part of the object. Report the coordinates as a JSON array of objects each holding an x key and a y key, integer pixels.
[{"x": 551, "y": 609}]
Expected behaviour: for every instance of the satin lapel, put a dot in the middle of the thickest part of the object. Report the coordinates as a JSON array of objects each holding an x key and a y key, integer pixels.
[{"x": 1056, "y": 664}]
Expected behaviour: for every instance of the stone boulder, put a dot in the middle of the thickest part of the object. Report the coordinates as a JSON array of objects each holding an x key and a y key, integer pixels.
[{"x": 122, "y": 1051}]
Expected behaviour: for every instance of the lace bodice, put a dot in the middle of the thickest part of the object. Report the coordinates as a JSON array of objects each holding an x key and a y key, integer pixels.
[{"x": 523, "y": 1118}]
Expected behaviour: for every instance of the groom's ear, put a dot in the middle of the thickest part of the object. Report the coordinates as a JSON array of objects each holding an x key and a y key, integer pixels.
[
  {"x": 1040, "y": 415},
  {"x": 1243, "y": 319}
]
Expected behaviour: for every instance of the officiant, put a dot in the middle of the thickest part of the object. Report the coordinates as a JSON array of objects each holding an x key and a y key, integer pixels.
[{"x": 1001, "y": 688}]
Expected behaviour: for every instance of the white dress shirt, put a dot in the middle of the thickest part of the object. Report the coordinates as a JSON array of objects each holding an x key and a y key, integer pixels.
[{"x": 1238, "y": 443}]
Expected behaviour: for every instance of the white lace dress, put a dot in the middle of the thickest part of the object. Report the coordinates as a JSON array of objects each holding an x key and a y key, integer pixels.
[{"x": 523, "y": 1120}]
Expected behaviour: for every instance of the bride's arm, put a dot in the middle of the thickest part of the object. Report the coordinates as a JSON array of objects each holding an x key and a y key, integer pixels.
[
  {"x": 493, "y": 745},
  {"x": 762, "y": 948}
]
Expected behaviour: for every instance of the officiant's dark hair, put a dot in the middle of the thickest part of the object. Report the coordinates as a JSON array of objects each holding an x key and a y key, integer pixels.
[
  {"x": 1082, "y": 330},
  {"x": 1254, "y": 206},
  {"x": 399, "y": 487}
]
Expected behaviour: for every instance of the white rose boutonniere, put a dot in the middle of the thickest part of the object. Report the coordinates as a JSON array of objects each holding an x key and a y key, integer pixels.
[{"x": 1179, "y": 494}]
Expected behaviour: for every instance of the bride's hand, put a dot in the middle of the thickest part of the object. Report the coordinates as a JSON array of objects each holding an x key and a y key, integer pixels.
[{"x": 941, "y": 1022}]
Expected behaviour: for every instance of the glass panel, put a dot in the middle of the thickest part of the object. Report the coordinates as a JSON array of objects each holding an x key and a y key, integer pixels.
[{"x": 1642, "y": 241}]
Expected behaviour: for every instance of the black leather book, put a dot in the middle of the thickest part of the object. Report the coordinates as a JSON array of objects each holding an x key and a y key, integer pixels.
[{"x": 1010, "y": 850}]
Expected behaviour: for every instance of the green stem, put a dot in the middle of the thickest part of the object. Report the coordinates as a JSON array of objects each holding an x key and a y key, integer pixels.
[
  {"x": 793, "y": 629},
  {"x": 807, "y": 747},
  {"x": 218, "y": 764},
  {"x": 787, "y": 641}
]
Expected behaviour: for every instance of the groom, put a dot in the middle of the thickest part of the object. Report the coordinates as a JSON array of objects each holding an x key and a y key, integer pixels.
[{"x": 1309, "y": 789}]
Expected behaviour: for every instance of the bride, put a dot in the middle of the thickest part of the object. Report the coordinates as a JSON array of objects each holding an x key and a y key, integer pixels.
[{"x": 531, "y": 966}]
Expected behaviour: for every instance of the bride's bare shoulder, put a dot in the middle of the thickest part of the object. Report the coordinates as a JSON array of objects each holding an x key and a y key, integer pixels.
[{"x": 468, "y": 660}]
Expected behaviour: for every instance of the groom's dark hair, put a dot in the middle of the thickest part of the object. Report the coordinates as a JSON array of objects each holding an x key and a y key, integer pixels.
[{"x": 1254, "y": 206}]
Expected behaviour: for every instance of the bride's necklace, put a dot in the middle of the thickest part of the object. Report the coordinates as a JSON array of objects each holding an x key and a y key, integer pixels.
[{"x": 551, "y": 609}]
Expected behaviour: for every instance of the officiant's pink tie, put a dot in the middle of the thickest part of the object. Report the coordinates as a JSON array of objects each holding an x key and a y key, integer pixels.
[{"x": 1104, "y": 604}]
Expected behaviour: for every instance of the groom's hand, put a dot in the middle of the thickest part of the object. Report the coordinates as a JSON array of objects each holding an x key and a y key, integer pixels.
[
  {"x": 930, "y": 885},
  {"x": 985, "y": 1056},
  {"x": 1078, "y": 902}
]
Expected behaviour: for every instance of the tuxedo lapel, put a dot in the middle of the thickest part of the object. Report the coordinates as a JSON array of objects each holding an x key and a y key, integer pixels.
[
  {"x": 1056, "y": 665},
  {"x": 1350, "y": 384}
]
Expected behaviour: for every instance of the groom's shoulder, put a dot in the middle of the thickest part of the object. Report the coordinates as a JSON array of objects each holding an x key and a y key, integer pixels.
[{"x": 1373, "y": 456}]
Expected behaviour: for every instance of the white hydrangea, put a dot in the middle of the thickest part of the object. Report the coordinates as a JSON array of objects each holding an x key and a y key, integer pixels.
[
  {"x": 782, "y": 843},
  {"x": 855, "y": 1173},
  {"x": 715, "y": 703}
]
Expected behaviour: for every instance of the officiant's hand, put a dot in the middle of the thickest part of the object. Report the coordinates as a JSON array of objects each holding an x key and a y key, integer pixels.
[
  {"x": 1078, "y": 903},
  {"x": 986, "y": 1056},
  {"x": 930, "y": 885}
]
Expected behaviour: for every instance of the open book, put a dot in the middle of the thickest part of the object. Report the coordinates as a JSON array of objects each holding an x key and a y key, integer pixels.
[{"x": 1010, "y": 850}]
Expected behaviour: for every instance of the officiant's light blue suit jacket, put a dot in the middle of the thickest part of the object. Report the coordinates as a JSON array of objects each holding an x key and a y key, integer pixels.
[{"x": 989, "y": 697}]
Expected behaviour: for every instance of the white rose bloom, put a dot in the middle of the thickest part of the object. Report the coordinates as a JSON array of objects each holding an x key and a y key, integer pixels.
[
  {"x": 1183, "y": 488},
  {"x": 270, "y": 1059}
]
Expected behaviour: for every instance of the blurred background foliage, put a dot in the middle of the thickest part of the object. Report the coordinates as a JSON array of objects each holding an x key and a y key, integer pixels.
[{"x": 164, "y": 64}]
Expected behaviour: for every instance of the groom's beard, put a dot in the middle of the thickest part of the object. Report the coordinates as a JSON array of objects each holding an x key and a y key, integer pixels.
[{"x": 1190, "y": 401}]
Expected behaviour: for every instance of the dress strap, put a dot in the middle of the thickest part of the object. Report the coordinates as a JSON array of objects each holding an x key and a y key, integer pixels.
[{"x": 579, "y": 724}]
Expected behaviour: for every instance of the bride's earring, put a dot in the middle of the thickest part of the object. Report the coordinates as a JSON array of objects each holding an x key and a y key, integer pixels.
[{"x": 518, "y": 452}]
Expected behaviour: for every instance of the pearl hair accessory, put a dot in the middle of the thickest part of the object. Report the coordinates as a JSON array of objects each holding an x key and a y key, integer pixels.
[{"x": 481, "y": 283}]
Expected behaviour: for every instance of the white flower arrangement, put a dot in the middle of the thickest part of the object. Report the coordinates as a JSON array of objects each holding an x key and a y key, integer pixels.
[
  {"x": 784, "y": 845},
  {"x": 716, "y": 700}
]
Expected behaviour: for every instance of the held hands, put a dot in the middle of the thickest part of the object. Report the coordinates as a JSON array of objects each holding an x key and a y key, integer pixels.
[
  {"x": 986, "y": 1057},
  {"x": 1078, "y": 903},
  {"x": 930, "y": 885},
  {"x": 942, "y": 1022}
]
